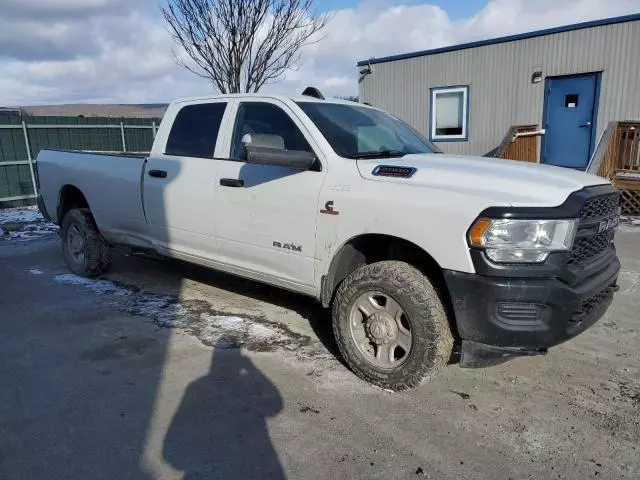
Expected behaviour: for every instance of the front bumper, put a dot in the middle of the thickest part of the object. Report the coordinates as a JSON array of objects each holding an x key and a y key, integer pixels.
[{"x": 499, "y": 317}]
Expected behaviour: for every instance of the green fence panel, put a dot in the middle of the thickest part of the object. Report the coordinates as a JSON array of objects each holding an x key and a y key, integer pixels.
[
  {"x": 15, "y": 181},
  {"x": 65, "y": 133}
]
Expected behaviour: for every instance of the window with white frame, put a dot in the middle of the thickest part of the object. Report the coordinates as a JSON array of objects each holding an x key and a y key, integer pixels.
[{"x": 449, "y": 113}]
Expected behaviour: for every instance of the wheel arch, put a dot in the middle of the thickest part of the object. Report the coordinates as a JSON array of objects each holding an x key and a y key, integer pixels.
[
  {"x": 70, "y": 197},
  {"x": 369, "y": 248}
]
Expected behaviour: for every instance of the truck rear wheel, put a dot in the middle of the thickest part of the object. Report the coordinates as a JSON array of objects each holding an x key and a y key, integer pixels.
[
  {"x": 391, "y": 326},
  {"x": 86, "y": 251}
]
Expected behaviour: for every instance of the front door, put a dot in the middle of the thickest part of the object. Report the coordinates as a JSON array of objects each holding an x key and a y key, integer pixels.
[
  {"x": 265, "y": 216},
  {"x": 570, "y": 108}
]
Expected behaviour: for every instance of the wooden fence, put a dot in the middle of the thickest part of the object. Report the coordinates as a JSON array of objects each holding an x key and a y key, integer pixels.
[
  {"x": 617, "y": 158},
  {"x": 520, "y": 143}
]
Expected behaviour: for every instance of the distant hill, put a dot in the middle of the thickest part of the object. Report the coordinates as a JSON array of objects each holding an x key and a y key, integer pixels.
[{"x": 148, "y": 110}]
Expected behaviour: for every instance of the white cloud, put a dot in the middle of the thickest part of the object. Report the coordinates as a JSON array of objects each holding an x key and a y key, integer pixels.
[
  {"x": 503, "y": 17},
  {"x": 52, "y": 9},
  {"x": 119, "y": 51}
]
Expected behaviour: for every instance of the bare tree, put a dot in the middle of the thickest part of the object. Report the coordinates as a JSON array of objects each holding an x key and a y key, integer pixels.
[{"x": 242, "y": 44}]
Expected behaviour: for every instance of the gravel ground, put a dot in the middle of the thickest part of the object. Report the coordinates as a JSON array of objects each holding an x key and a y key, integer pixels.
[{"x": 165, "y": 370}]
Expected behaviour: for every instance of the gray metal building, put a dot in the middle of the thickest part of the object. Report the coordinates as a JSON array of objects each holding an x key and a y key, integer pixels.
[{"x": 568, "y": 81}]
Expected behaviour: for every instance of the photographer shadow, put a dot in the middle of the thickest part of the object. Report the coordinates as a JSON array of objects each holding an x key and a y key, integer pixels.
[{"x": 220, "y": 428}]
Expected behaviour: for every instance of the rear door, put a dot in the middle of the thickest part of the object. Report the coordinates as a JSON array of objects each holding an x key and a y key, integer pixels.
[
  {"x": 179, "y": 180},
  {"x": 266, "y": 222}
]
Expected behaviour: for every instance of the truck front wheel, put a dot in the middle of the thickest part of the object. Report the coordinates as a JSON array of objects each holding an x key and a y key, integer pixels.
[
  {"x": 87, "y": 253},
  {"x": 391, "y": 326}
]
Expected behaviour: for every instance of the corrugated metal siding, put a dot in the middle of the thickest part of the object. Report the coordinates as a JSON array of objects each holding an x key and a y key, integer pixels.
[{"x": 499, "y": 75}]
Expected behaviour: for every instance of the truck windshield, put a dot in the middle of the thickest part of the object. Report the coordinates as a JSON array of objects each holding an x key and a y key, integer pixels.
[{"x": 354, "y": 131}]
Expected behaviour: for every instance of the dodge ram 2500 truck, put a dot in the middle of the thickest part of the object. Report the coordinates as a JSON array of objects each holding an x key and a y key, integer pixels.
[{"x": 415, "y": 251}]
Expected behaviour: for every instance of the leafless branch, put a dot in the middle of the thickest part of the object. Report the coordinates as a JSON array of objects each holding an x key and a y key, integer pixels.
[{"x": 239, "y": 45}]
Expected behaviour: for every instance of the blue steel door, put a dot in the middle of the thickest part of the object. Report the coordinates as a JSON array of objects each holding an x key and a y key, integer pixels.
[{"x": 570, "y": 104}]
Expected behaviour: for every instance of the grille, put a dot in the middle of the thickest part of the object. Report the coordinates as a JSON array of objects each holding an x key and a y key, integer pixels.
[
  {"x": 602, "y": 206},
  {"x": 586, "y": 248}
]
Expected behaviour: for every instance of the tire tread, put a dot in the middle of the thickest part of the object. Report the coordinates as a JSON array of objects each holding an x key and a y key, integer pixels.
[
  {"x": 97, "y": 250},
  {"x": 403, "y": 277}
]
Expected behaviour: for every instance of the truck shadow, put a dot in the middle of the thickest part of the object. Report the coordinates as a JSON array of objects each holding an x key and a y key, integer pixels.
[
  {"x": 319, "y": 318},
  {"x": 89, "y": 388}
]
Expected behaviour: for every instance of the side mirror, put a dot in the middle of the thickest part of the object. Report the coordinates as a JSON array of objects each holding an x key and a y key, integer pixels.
[
  {"x": 298, "y": 159},
  {"x": 263, "y": 149}
]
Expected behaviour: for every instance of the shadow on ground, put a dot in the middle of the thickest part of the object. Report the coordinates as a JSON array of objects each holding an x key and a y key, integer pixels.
[
  {"x": 319, "y": 318},
  {"x": 220, "y": 429},
  {"x": 82, "y": 379}
]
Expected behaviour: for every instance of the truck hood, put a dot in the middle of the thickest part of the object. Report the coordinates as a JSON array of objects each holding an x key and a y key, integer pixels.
[{"x": 504, "y": 182}]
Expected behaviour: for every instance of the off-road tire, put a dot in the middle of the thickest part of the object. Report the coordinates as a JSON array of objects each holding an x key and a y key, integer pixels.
[
  {"x": 97, "y": 252},
  {"x": 432, "y": 339}
]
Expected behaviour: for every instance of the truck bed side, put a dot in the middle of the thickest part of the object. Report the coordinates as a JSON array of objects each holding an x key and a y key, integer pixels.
[{"x": 111, "y": 184}]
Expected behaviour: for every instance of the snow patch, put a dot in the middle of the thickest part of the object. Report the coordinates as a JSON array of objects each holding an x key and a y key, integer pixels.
[
  {"x": 35, "y": 271},
  {"x": 629, "y": 282},
  {"x": 164, "y": 310},
  {"x": 234, "y": 324},
  {"x": 100, "y": 287},
  {"x": 32, "y": 231},
  {"x": 194, "y": 316},
  {"x": 247, "y": 330},
  {"x": 630, "y": 223},
  {"x": 20, "y": 215},
  {"x": 260, "y": 331},
  {"x": 24, "y": 223}
]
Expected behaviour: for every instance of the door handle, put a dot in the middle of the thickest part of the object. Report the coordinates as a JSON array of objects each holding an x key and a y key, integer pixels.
[
  {"x": 158, "y": 173},
  {"x": 585, "y": 125},
  {"x": 231, "y": 182}
]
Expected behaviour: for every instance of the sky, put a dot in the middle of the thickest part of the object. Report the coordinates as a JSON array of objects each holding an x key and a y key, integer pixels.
[{"x": 119, "y": 51}]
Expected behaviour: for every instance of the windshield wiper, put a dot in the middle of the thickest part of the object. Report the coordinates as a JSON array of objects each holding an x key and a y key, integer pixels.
[{"x": 380, "y": 154}]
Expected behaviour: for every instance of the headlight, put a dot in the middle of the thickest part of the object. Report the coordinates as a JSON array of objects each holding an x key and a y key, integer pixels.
[{"x": 522, "y": 241}]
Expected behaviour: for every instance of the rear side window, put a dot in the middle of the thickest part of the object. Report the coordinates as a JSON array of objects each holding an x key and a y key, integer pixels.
[{"x": 195, "y": 130}]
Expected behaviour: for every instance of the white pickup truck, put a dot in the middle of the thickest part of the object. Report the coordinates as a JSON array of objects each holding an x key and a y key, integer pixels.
[{"x": 415, "y": 251}]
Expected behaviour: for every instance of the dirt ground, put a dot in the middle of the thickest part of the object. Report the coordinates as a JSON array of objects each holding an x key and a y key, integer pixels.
[{"x": 164, "y": 370}]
